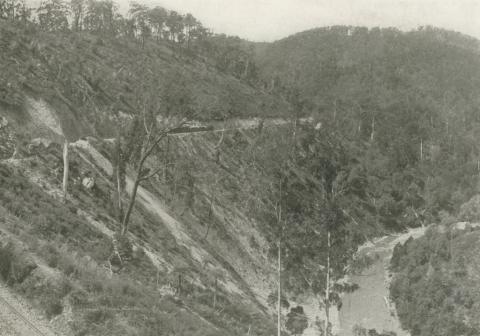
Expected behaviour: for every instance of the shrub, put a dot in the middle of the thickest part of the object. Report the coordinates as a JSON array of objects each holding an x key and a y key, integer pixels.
[
  {"x": 6, "y": 259},
  {"x": 50, "y": 254},
  {"x": 470, "y": 211},
  {"x": 14, "y": 266},
  {"x": 78, "y": 297},
  {"x": 97, "y": 316},
  {"x": 53, "y": 307},
  {"x": 297, "y": 321}
]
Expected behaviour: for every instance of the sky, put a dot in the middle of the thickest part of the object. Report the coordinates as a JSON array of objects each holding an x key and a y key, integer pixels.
[{"x": 269, "y": 20}]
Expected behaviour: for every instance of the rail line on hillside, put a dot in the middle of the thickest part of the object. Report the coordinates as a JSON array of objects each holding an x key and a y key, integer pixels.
[{"x": 12, "y": 310}]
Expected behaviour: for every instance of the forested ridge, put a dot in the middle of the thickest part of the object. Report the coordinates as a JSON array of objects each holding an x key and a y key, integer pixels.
[
  {"x": 435, "y": 286},
  {"x": 380, "y": 134},
  {"x": 412, "y": 97}
]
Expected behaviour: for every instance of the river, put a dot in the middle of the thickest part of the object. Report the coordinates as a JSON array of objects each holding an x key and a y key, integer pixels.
[{"x": 369, "y": 306}]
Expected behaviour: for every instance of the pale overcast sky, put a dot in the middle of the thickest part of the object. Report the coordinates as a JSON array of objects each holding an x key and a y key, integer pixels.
[{"x": 267, "y": 20}]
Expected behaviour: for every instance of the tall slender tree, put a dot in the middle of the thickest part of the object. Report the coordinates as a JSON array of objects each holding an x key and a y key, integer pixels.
[
  {"x": 77, "y": 8},
  {"x": 53, "y": 15},
  {"x": 156, "y": 18}
]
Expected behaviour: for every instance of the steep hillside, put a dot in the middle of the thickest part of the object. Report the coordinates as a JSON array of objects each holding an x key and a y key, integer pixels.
[
  {"x": 198, "y": 249},
  {"x": 175, "y": 277},
  {"x": 93, "y": 80},
  {"x": 193, "y": 263},
  {"x": 413, "y": 100}
]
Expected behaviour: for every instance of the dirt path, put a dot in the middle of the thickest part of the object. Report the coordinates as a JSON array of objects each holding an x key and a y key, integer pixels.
[
  {"x": 369, "y": 306},
  {"x": 18, "y": 320}
]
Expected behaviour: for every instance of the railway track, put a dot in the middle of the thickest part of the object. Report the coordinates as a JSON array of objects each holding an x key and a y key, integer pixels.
[{"x": 14, "y": 320}]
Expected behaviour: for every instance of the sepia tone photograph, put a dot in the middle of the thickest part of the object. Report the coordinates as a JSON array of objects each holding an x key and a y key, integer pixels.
[{"x": 239, "y": 168}]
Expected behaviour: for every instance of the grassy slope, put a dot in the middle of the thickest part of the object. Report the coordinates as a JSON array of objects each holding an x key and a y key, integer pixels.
[
  {"x": 71, "y": 80},
  {"x": 90, "y": 79},
  {"x": 63, "y": 238}
]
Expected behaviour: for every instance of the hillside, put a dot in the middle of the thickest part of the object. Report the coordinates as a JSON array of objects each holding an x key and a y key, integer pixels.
[
  {"x": 435, "y": 287},
  {"x": 185, "y": 272},
  {"x": 195, "y": 262},
  {"x": 265, "y": 172},
  {"x": 413, "y": 98},
  {"x": 93, "y": 80}
]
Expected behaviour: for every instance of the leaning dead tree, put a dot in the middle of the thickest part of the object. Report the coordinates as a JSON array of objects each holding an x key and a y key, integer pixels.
[{"x": 145, "y": 138}]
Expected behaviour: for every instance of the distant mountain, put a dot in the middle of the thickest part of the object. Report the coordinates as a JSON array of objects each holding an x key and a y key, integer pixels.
[
  {"x": 414, "y": 95},
  {"x": 352, "y": 62},
  {"x": 360, "y": 74}
]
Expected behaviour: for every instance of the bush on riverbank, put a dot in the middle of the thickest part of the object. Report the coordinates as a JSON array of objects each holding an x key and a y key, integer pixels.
[{"x": 434, "y": 290}]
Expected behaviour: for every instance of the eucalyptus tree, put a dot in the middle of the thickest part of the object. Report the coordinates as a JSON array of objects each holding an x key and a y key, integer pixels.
[
  {"x": 140, "y": 15},
  {"x": 190, "y": 22},
  {"x": 15, "y": 10},
  {"x": 53, "y": 15},
  {"x": 157, "y": 17},
  {"x": 100, "y": 17},
  {"x": 77, "y": 9},
  {"x": 175, "y": 25}
]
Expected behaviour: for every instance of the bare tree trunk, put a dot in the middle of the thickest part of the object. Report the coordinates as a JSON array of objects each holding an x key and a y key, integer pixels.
[
  {"x": 166, "y": 158},
  {"x": 421, "y": 149},
  {"x": 126, "y": 218},
  {"x": 327, "y": 286},
  {"x": 373, "y": 129},
  {"x": 245, "y": 70},
  {"x": 65, "y": 170},
  {"x": 119, "y": 191},
  {"x": 279, "y": 299},
  {"x": 215, "y": 294},
  {"x": 335, "y": 112}
]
